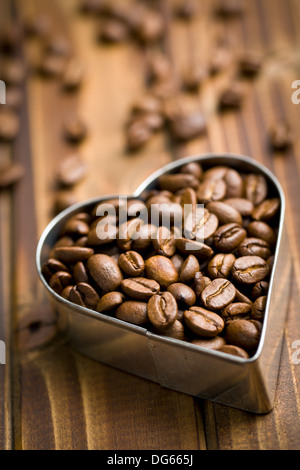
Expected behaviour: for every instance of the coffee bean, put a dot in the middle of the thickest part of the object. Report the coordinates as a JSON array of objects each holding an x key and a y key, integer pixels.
[
  {"x": 75, "y": 227},
  {"x": 266, "y": 210},
  {"x": 258, "y": 229},
  {"x": 240, "y": 297},
  {"x": 132, "y": 263},
  {"x": 80, "y": 273},
  {"x": 113, "y": 30},
  {"x": 177, "y": 261},
  {"x": 133, "y": 311},
  {"x": 234, "y": 351},
  {"x": 110, "y": 301},
  {"x": 244, "y": 334},
  {"x": 66, "y": 292},
  {"x": 258, "y": 308},
  {"x": 236, "y": 311},
  {"x": 194, "y": 77},
  {"x": 225, "y": 213},
  {"x": 218, "y": 294},
  {"x": 59, "y": 281},
  {"x": 280, "y": 136},
  {"x": 73, "y": 254},
  {"x": 242, "y": 205},
  {"x": 52, "y": 266},
  {"x": 232, "y": 97},
  {"x": 200, "y": 283},
  {"x": 11, "y": 174},
  {"x": 203, "y": 322},
  {"x": 162, "y": 310},
  {"x": 192, "y": 168},
  {"x": 228, "y": 237},
  {"x": 105, "y": 272},
  {"x": 188, "y": 127},
  {"x": 250, "y": 269},
  {"x": 84, "y": 295},
  {"x": 186, "y": 10},
  {"x": 51, "y": 66},
  {"x": 175, "y": 330},
  {"x": 175, "y": 182},
  {"x": 147, "y": 25},
  {"x": 260, "y": 289},
  {"x": 211, "y": 190},
  {"x": 162, "y": 270},
  {"x": 183, "y": 294},
  {"x": 138, "y": 134},
  {"x": 210, "y": 343},
  {"x": 71, "y": 170},
  {"x": 200, "y": 224},
  {"x": 194, "y": 247},
  {"x": 140, "y": 288},
  {"x": 256, "y": 188},
  {"x": 254, "y": 247},
  {"x": 250, "y": 64},
  {"x": 75, "y": 130},
  {"x": 188, "y": 270},
  {"x": 9, "y": 124},
  {"x": 164, "y": 243},
  {"x": 220, "y": 265}
]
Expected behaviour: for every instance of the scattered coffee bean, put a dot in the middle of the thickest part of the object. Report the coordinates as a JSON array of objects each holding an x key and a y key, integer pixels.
[
  {"x": 71, "y": 170},
  {"x": 183, "y": 294},
  {"x": 280, "y": 136},
  {"x": 187, "y": 127},
  {"x": 11, "y": 174},
  {"x": 113, "y": 30},
  {"x": 75, "y": 130},
  {"x": 232, "y": 97},
  {"x": 250, "y": 64}
]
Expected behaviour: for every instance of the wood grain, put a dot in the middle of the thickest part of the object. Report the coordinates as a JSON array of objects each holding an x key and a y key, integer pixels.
[{"x": 52, "y": 397}]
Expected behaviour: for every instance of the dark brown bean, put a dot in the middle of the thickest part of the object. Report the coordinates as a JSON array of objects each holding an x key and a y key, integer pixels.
[
  {"x": 83, "y": 294},
  {"x": 200, "y": 282},
  {"x": 232, "y": 96},
  {"x": 225, "y": 213},
  {"x": 244, "y": 334},
  {"x": 280, "y": 136},
  {"x": 75, "y": 129},
  {"x": 228, "y": 237},
  {"x": 203, "y": 322},
  {"x": 234, "y": 351},
  {"x": 211, "y": 190},
  {"x": 73, "y": 254},
  {"x": 162, "y": 310},
  {"x": 162, "y": 270},
  {"x": 236, "y": 311},
  {"x": 220, "y": 265},
  {"x": 258, "y": 308},
  {"x": 194, "y": 247},
  {"x": 188, "y": 270},
  {"x": 256, "y": 188},
  {"x": 140, "y": 288},
  {"x": 164, "y": 243},
  {"x": 218, "y": 294},
  {"x": 266, "y": 210},
  {"x": 210, "y": 343},
  {"x": 176, "y": 331},
  {"x": 105, "y": 272},
  {"x": 183, "y": 294},
  {"x": 11, "y": 174},
  {"x": 71, "y": 170},
  {"x": 187, "y": 127},
  {"x": 200, "y": 224},
  {"x": 110, "y": 301},
  {"x": 254, "y": 247},
  {"x": 132, "y": 263},
  {"x": 192, "y": 168},
  {"x": 174, "y": 182},
  {"x": 80, "y": 273},
  {"x": 250, "y": 269},
  {"x": 260, "y": 289},
  {"x": 242, "y": 205},
  {"x": 60, "y": 280},
  {"x": 133, "y": 311},
  {"x": 52, "y": 266}
]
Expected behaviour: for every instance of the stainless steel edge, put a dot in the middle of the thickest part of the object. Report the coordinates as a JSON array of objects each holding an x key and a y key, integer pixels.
[{"x": 247, "y": 384}]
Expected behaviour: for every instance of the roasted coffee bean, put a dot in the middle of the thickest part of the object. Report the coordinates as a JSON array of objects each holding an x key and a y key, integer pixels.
[
  {"x": 250, "y": 269},
  {"x": 177, "y": 261},
  {"x": 188, "y": 127},
  {"x": 140, "y": 288},
  {"x": 258, "y": 229},
  {"x": 71, "y": 170},
  {"x": 84, "y": 295},
  {"x": 225, "y": 213},
  {"x": 80, "y": 273},
  {"x": 256, "y": 188},
  {"x": 10, "y": 37},
  {"x": 102, "y": 234},
  {"x": 198, "y": 249},
  {"x": 162, "y": 310},
  {"x": 234, "y": 184},
  {"x": 232, "y": 97},
  {"x": 66, "y": 292},
  {"x": 266, "y": 210},
  {"x": 203, "y": 322},
  {"x": 9, "y": 124},
  {"x": 188, "y": 197},
  {"x": 164, "y": 243},
  {"x": 194, "y": 77},
  {"x": 144, "y": 237},
  {"x": 242, "y": 205},
  {"x": 258, "y": 308},
  {"x": 200, "y": 224},
  {"x": 254, "y": 247},
  {"x": 188, "y": 270},
  {"x": 110, "y": 301},
  {"x": 234, "y": 351},
  {"x": 75, "y": 130},
  {"x": 75, "y": 227},
  {"x": 244, "y": 334},
  {"x": 59, "y": 281},
  {"x": 240, "y": 297},
  {"x": 218, "y": 294},
  {"x": 113, "y": 30},
  {"x": 280, "y": 136},
  {"x": 73, "y": 254},
  {"x": 146, "y": 104},
  {"x": 220, "y": 265},
  {"x": 132, "y": 263},
  {"x": 105, "y": 272},
  {"x": 175, "y": 182},
  {"x": 128, "y": 232},
  {"x": 260, "y": 289},
  {"x": 192, "y": 168},
  {"x": 210, "y": 343},
  {"x": 176, "y": 331},
  {"x": 236, "y": 311},
  {"x": 133, "y": 311},
  {"x": 162, "y": 270},
  {"x": 51, "y": 66},
  {"x": 200, "y": 283},
  {"x": 211, "y": 190},
  {"x": 52, "y": 266},
  {"x": 11, "y": 174},
  {"x": 250, "y": 64},
  {"x": 138, "y": 134},
  {"x": 183, "y": 294},
  {"x": 228, "y": 237},
  {"x": 216, "y": 173}
]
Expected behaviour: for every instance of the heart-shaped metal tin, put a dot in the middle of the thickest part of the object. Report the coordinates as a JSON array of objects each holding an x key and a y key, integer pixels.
[{"x": 248, "y": 384}]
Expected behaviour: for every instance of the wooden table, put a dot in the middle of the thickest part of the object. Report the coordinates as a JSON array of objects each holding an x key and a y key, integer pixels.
[{"x": 52, "y": 397}]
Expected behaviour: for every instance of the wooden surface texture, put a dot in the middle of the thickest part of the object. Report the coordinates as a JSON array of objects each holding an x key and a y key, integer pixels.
[{"x": 51, "y": 397}]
